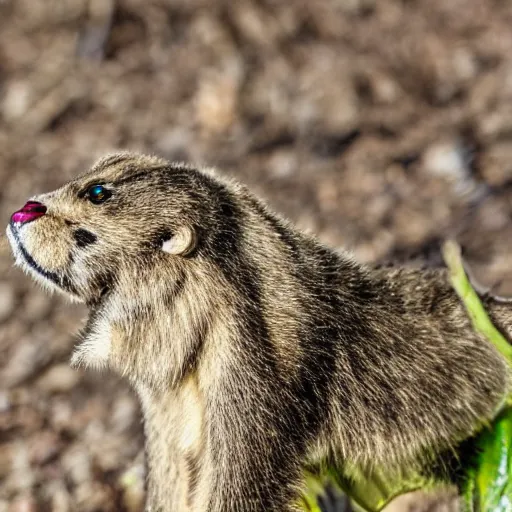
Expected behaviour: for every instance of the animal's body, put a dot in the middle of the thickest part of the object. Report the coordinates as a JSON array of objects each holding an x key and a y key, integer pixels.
[{"x": 252, "y": 346}]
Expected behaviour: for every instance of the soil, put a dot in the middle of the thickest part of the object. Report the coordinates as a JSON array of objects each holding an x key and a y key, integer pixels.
[{"x": 382, "y": 126}]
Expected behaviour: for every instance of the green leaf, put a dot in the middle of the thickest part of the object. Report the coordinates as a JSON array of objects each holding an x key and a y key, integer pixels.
[
  {"x": 314, "y": 488},
  {"x": 488, "y": 484},
  {"x": 479, "y": 317},
  {"x": 370, "y": 491},
  {"x": 488, "y": 487}
]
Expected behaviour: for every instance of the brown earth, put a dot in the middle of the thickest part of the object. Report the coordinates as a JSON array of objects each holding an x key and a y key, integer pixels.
[{"x": 383, "y": 126}]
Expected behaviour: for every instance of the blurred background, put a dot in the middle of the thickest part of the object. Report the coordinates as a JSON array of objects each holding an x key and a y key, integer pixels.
[{"x": 383, "y": 126}]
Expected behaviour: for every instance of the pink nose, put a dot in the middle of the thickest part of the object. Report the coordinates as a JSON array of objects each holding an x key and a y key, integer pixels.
[{"x": 31, "y": 211}]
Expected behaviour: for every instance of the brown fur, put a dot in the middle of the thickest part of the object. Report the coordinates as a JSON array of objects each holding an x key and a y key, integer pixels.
[{"x": 253, "y": 347}]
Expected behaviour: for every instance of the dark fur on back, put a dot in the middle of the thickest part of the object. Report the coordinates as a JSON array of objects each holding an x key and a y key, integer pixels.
[{"x": 258, "y": 348}]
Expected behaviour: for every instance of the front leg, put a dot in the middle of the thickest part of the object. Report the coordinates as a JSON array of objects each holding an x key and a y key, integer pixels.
[
  {"x": 173, "y": 427},
  {"x": 169, "y": 479},
  {"x": 255, "y": 449}
]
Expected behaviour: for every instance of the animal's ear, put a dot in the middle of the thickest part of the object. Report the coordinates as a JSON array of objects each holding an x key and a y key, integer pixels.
[{"x": 181, "y": 243}]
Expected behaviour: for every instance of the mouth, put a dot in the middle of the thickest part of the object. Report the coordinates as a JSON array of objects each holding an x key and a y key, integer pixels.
[{"x": 60, "y": 280}]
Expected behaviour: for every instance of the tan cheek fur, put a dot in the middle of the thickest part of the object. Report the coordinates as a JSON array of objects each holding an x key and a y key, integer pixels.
[{"x": 55, "y": 237}]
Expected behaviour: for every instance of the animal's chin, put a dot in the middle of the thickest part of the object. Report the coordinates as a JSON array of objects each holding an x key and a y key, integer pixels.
[
  {"x": 92, "y": 294},
  {"x": 55, "y": 280}
]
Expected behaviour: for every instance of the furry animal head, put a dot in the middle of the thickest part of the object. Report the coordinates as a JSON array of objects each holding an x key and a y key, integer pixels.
[{"x": 126, "y": 238}]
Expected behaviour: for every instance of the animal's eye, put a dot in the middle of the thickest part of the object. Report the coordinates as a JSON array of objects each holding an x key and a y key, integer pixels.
[{"x": 98, "y": 194}]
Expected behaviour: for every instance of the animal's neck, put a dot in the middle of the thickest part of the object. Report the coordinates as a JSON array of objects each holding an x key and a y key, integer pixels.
[{"x": 173, "y": 424}]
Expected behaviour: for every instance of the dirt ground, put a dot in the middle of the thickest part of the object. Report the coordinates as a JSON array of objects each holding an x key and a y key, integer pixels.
[{"x": 383, "y": 126}]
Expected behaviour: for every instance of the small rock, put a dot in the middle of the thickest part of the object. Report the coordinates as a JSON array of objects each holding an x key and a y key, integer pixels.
[
  {"x": 124, "y": 414},
  {"x": 25, "y": 361},
  {"x": 327, "y": 95},
  {"x": 464, "y": 63},
  {"x": 58, "y": 496},
  {"x": 496, "y": 124},
  {"x": 77, "y": 463},
  {"x": 93, "y": 496},
  {"x": 410, "y": 225},
  {"x": 16, "y": 100},
  {"x": 61, "y": 415},
  {"x": 283, "y": 163},
  {"x": 21, "y": 477},
  {"x": 445, "y": 72},
  {"x": 43, "y": 447},
  {"x": 496, "y": 164},
  {"x": 60, "y": 378},
  {"x": 384, "y": 89},
  {"x": 217, "y": 100},
  {"x": 5, "y": 402},
  {"x": 255, "y": 24},
  {"x": 448, "y": 160}
]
